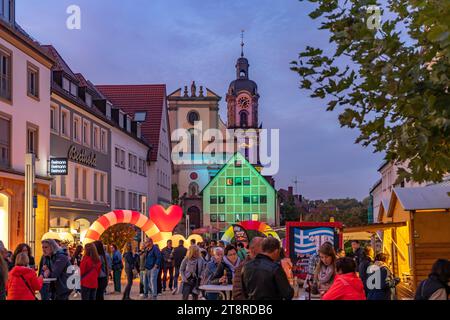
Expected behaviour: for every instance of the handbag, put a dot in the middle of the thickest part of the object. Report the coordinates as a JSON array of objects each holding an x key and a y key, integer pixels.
[{"x": 29, "y": 288}]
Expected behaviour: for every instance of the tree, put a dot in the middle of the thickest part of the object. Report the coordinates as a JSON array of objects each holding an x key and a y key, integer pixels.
[
  {"x": 119, "y": 235},
  {"x": 393, "y": 80}
]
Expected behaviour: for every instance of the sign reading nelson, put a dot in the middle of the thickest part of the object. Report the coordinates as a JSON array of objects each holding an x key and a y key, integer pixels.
[{"x": 82, "y": 156}]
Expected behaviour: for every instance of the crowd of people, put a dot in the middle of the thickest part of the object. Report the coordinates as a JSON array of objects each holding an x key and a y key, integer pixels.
[{"x": 257, "y": 271}]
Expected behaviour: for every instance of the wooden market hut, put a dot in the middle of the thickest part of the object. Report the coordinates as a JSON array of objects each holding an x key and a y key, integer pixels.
[{"x": 414, "y": 226}]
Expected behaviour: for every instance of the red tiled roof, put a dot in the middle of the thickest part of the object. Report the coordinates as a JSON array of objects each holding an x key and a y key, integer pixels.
[{"x": 135, "y": 98}]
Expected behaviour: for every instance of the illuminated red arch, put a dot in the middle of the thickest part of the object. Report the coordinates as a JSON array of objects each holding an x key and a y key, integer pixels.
[{"x": 122, "y": 216}]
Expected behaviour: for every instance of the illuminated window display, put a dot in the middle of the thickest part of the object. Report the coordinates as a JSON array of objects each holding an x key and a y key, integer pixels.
[{"x": 237, "y": 193}]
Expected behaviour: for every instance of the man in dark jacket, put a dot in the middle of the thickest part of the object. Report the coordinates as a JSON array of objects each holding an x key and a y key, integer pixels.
[
  {"x": 216, "y": 272},
  {"x": 168, "y": 265},
  {"x": 357, "y": 252},
  {"x": 152, "y": 266},
  {"x": 178, "y": 255},
  {"x": 365, "y": 262},
  {"x": 263, "y": 278},
  {"x": 254, "y": 250}
]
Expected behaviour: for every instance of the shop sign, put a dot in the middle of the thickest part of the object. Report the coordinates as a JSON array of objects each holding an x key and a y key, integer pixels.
[{"x": 82, "y": 156}]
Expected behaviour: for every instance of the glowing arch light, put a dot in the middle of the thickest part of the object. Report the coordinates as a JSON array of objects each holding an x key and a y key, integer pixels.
[
  {"x": 122, "y": 216},
  {"x": 259, "y": 226}
]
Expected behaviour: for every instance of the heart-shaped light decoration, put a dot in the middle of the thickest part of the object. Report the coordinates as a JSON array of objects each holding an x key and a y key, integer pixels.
[{"x": 166, "y": 219}]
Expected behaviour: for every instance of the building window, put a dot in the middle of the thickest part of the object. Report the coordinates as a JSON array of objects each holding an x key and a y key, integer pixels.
[
  {"x": 238, "y": 181},
  {"x": 32, "y": 139},
  {"x": 73, "y": 89},
  {"x": 54, "y": 118},
  {"x": 102, "y": 188},
  {"x": 65, "y": 123},
  {"x": 229, "y": 181},
  {"x": 33, "y": 81},
  {"x": 255, "y": 199},
  {"x": 95, "y": 186},
  {"x": 96, "y": 138},
  {"x": 5, "y": 73},
  {"x": 246, "y": 181},
  {"x": 5, "y": 141},
  {"x": 85, "y": 173},
  {"x": 132, "y": 163},
  {"x": 88, "y": 99},
  {"x": 213, "y": 218},
  {"x": 262, "y": 199},
  {"x": 243, "y": 116},
  {"x": 6, "y": 9},
  {"x": 221, "y": 199},
  {"x": 246, "y": 199},
  {"x": 193, "y": 189},
  {"x": 238, "y": 163},
  {"x": 86, "y": 133},
  {"x": 140, "y": 116},
  {"x": 192, "y": 117},
  {"x": 221, "y": 218},
  {"x": 103, "y": 143},
  {"x": 246, "y": 217},
  {"x": 213, "y": 200},
  {"x": 76, "y": 182},
  {"x": 66, "y": 84},
  {"x": 53, "y": 187},
  {"x": 63, "y": 186},
  {"x": 77, "y": 129}
]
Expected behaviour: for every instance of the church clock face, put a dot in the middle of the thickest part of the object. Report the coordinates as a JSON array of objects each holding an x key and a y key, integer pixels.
[{"x": 244, "y": 102}]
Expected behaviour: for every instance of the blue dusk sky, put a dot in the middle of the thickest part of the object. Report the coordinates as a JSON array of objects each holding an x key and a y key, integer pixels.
[{"x": 177, "y": 41}]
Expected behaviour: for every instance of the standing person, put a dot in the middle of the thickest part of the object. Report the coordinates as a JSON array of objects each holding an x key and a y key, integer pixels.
[
  {"x": 263, "y": 278},
  {"x": 104, "y": 271},
  {"x": 221, "y": 244},
  {"x": 3, "y": 277},
  {"x": 340, "y": 253},
  {"x": 242, "y": 252},
  {"x": 387, "y": 281},
  {"x": 117, "y": 267},
  {"x": 90, "y": 268},
  {"x": 76, "y": 261},
  {"x": 168, "y": 265},
  {"x": 179, "y": 253},
  {"x": 326, "y": 268},
  {"x": 346, "y": 285},
  {"x": 142, "y": 256},
  {"x": 23, "y": 247},
  {"x": 191, "y": 268},
  {"x": 231, "y": 259},
  {"x": 130, "y": 264},
  {"x": 152, "y": 263},
  {"x": 216, "y": 273},
  {"x": 254, "y": 249},
  {"x": 286, "y": 264},
  {"x": 436, "y": 286},
  {"x": 364, "y": 264},
  {"x": 7, "y": 257},
  {"x": 55, "y": 266},
  {"x": 23, "y": 281},
  {"x": 357, "y": 252},
  {"x": 193, "y": 242}
]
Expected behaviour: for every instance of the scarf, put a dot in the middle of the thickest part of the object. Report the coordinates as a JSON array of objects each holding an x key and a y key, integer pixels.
[{"x": 230, "y": 265}]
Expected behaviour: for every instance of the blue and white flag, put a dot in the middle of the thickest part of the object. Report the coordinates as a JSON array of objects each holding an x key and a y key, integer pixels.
[{"x": 308, "y": 241}]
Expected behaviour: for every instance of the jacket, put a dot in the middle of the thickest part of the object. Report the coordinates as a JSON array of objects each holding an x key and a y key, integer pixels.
[
  {"x": 264, "y": 279},
  {"x": 89, "y": 272},
  {"x": 346, "y": 286},
  {"x": 214, "y": 271},
  {"x": 59, "y": 262},
  {"x": 130, "y": 261},
  {"x": 153, "y": 257},
  {"x": 387, "y": 283},
  {"x": 237, "y": 292},
  {"x": 432, "y": 289},
  {"x": 117, "y": 264},
  {"x": 23, "y": 283},
  {"x": 187, "y": 271},
  {"x": 167, "y": 257},
  {"x": 178, "y": 255},
  {"x": 364, "y": 263}
]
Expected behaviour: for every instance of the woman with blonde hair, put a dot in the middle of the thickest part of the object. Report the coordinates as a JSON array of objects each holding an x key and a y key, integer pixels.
[
  {"x": 190, "y": 270},
  {"x": 23, "y": 281},
  {"x": 326, "y": 268},
  {"x": 90, "y": 268}
]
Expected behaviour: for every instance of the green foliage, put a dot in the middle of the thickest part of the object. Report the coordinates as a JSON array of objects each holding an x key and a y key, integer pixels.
[
  {"x": 175, "y": 194},
  {"x": 393, "y": 83},
  {"x": 119, "y": 235}
]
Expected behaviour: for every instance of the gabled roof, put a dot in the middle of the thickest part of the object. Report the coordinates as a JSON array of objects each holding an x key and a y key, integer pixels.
[
  {"x": 60, "y": 64},
  {"x": 421, "y": 198},
  {"x": 237, "y": 156},
  {"x": 383, "y": 208},
  {"x": 137, "y": 98}
]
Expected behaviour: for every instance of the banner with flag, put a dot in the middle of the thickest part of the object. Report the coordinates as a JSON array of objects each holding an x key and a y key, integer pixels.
[{"x": 308, "y": 241}]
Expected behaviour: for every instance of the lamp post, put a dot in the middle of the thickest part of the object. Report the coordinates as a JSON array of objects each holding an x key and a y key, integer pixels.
[{"x": 30, "y": 202}]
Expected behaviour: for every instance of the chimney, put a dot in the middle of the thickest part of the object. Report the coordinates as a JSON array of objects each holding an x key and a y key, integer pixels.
[{"x": 291, "y": 190}]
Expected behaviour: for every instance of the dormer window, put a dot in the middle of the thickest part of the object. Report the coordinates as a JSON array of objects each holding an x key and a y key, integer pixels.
[
  {"x": 73, "y": 89},
  {"x": 121, "y": 120},
  {"x": 108, "y": 110},
  {"x": 140, "y": 116},
  {"x": 128, "y": 123},
  {"x": 7, "y": 10},
  {"x": 88, "y": 99},
  {"x": 69, "y": 86}
]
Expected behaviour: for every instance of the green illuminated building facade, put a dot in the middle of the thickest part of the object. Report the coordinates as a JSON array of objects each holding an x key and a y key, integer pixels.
[{"x": 238, "y": 192}]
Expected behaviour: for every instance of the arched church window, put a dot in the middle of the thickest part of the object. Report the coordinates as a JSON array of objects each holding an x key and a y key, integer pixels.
[
  {"x": 193, "y": 189},
  {"x": 242, "y": 74},
  {"x": 192, "y": 117},
  {"x": 243, "y": 116}
]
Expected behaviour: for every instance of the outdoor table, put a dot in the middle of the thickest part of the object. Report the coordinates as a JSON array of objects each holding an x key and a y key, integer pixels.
[
  {"x": 222, "y": 290},
  {"x": 49, "y": 280}
]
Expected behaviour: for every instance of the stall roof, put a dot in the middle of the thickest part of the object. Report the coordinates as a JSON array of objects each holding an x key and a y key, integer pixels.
[
  {"x": 374, "y": 227},
  {"x": 421, "y": 198}
]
